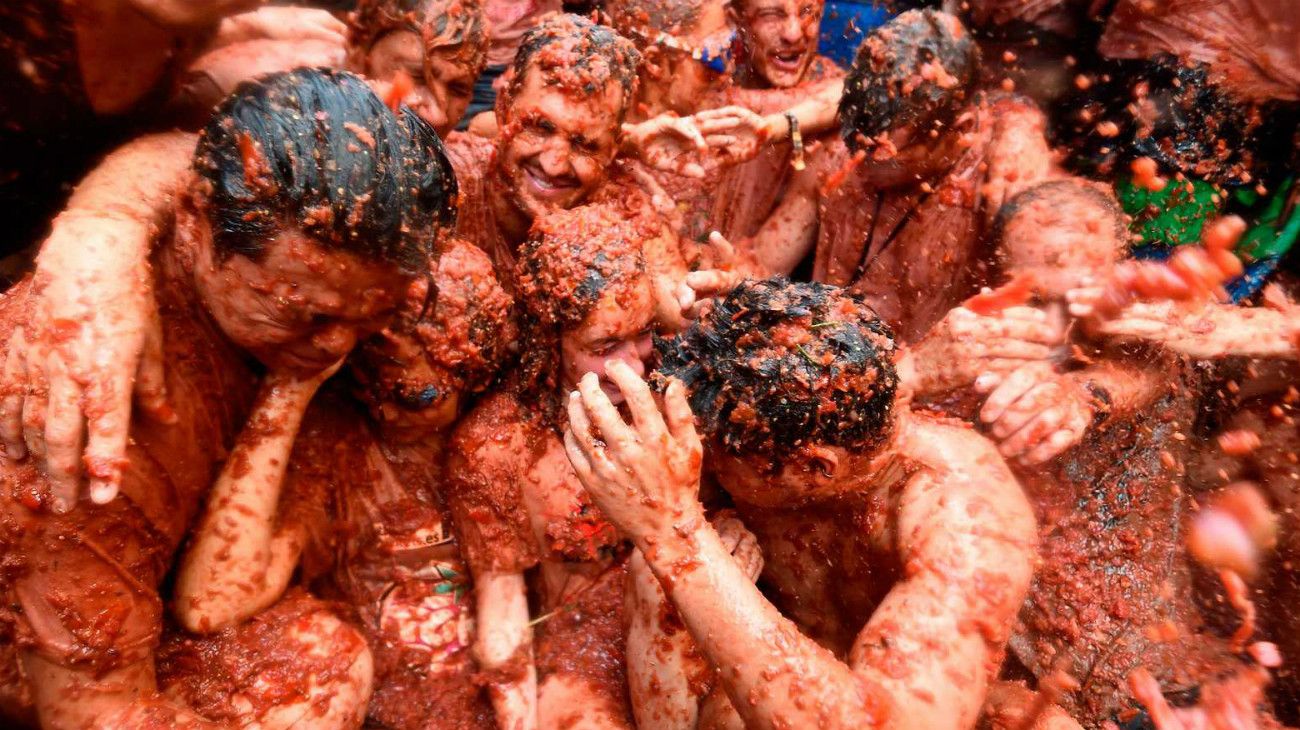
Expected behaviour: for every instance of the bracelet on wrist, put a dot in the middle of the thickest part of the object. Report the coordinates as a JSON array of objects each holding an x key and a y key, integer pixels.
[{"x": 796, "y": 142}]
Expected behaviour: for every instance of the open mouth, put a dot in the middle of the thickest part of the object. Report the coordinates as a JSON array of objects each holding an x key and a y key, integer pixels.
[
  {"x": 546, "y": 186},
  {"x": 788, "y": 60}
]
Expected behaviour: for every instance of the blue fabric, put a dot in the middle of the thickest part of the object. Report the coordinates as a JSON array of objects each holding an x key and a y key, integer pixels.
[
  {"x": 845, "y": 23},
  {"x": 1241, "y": 288},
  {"x": 485, "y": 97}
]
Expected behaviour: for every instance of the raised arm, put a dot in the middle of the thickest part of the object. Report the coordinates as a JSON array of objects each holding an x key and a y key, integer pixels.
[
  {"x": 93, "y": 339},
  {"x": 646, "y": 480},
  {"x": 1212, "y": 330},
  {"x": 238, "y": 563},
  {"x": 485, "y": 496}
]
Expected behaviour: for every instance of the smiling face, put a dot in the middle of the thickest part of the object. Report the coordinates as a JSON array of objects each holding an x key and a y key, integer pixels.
[
  {"x": 618, "y": 328},
  {"x": 780, "y": 37},
  {"x": 302, "y": 306},
  {"x": 556, "y": 147},
  {"x": 443, "y": 80}
]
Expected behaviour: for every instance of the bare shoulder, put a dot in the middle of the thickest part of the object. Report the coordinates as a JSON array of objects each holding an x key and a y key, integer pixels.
[
  {"x": 952, "y": 451},
  {"x": 962, "y": 474},
  {"x": 493, "y": 437}
]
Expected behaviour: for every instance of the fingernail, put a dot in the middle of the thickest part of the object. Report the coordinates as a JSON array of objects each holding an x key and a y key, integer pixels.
[
  {"x": 102, "y": 493},
  {"x": 58, "y": 505}
]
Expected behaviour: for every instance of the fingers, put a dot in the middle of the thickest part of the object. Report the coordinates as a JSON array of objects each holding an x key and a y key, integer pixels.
[
  {"x": 35, "y": 407},
  {"x": 677, "y": 410},
  {"x": 578, "y": 458},
  {"x": 1053, "y": 446},
  {"x": 724, "y": 253},
  {"x": 604, "y": 415},
  {"x": 151, "y": 378},
  {"x": 11, "y": 405},
  {"x": 594, "y": 458},
  {"x": 1011, "y": 390},
  {"x": 1035, "y": 428},
  {"x": 710, "y": 282},
  {"x": 687, "y": 129},
  {"x": 1025, "y": 324},
  {"x": 64, "y": 432},
  {"x": 645, "y": 412},
  {"x": 108, "y": 400}
]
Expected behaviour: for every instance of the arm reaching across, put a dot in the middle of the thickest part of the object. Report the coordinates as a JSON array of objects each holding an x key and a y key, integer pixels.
[
  {"x": 93, "y": 338},
  {"x": 238, "y": 563},
  {"x": 1212, "y": 330}
]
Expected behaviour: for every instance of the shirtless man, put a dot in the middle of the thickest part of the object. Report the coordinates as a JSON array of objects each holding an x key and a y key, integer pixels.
[
  {"x": 359, "y": 505},
  {"x": 903, "y": 220},
  {"x": 436, "y": 47},
  {"x": 1099, "y": 441},
  {"x": 248, "y": 267},
  {"x": 897, "y": 547},
  {"x": 525, "y": 523},
  {"x": 560, "y": 117},
  {"x": 687, "y": 66}
]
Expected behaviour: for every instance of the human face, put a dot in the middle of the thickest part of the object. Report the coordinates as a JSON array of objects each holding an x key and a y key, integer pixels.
[
  {"x": 812, "y": 472},
  {"x": 781, "y": 38},
  {"x": 687, "y": 80},
  {"x": 408, "y": 396},
  {"x": 617, "y": 329},
  {"x": 1061, "y": 245},
  {"x": 443, "y": 80},
  {"x": 301, "y": 307},
  {"x": 555, "y": 147}
]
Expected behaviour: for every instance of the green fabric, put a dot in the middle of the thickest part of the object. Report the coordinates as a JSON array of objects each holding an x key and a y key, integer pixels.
[
  {"x": 1270, "y": 236},
  {"x": 1172, "y": 216}
]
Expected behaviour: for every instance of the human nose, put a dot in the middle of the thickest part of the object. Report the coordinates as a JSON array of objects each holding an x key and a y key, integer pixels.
[
  {"x": 633, "y": 354},
  {"x": 555, "y": 158},
  {"x": 792, "y": 29},
  {"x": 336, "y": 339}
]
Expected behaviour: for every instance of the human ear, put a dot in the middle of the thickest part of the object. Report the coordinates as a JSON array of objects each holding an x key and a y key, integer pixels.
[{"x": 823, "y": 463}]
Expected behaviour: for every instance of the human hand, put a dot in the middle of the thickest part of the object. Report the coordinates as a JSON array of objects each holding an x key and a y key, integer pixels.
[
  {"x": 965, "y": 347},
  {"x": 740, "y": 542},
  {"x": 669, "y": 143},
  {"x": 283, "y": 24},
  {"x": 1036, "y": 413},
  {"x": 645, "y": 477},
  {"x": 93, "y": 341},
  {"x": 736, "y": 134},
  {"x": 699, "y": 288}
]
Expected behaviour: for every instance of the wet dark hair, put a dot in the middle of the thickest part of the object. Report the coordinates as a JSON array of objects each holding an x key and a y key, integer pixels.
[
  {"x": 887, "y": 86},
  {"x": 1074, "y": 191},
  {"x": 1197, "y": 129},
  {"x": 316, "y": 149},
  {"x": 577, "y": 55},
  {"x": 640, "y": 20},
  {"x": 570, "y": 260},
  {"x": 778, "y": 365}
]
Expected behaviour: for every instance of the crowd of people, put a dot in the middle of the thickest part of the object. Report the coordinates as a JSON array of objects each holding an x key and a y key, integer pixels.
[{"x": 519, "y": 364}]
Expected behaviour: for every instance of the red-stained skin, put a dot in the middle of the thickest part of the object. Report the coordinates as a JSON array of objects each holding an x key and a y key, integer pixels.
[
  {"x": 780, "y": 38},
  {"x": 555, "y": 149},
  {"x": 301, "y": 307},
  {"x": 440, "y": 96}
]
